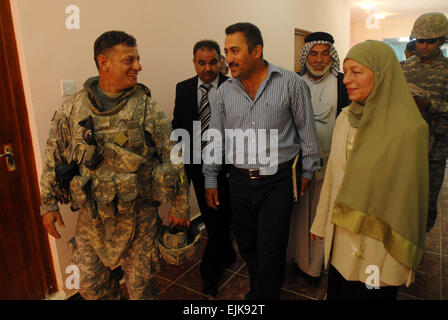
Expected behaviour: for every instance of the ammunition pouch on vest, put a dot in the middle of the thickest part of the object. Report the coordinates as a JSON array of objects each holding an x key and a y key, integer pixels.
[
  {"x": 121, "y": 160},
  {"x": 79, "y": 189},
  {"x": 93, "y": 156},
  {"x": 146, "y": 182},
  {"x": 115, "y": 194}
]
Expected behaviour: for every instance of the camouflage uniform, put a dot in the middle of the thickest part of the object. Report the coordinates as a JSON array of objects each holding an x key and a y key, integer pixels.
[
  {"x": 118, "y": 222},
  {"x": 432, "y": 78}
]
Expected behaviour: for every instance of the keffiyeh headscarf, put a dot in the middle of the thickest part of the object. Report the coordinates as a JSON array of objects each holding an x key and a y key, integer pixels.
[{"x": 319, "y": 38}]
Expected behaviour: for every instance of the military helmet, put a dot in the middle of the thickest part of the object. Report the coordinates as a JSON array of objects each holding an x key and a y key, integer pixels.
[
  {"x": 430, "y": 26},
  {"x": 178, "y": 246},
  {"x": 167, "y": 179}
]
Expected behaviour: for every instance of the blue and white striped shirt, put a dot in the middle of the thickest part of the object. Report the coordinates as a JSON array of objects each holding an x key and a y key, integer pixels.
[{"x": 282, "y": 102}]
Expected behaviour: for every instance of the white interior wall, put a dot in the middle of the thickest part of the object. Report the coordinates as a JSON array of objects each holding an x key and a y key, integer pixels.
[
  {"x": 390, "y": 27},
  {"x": 166, "y": 32}
]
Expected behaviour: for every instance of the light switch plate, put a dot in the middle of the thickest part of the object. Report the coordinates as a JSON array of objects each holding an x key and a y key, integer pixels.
[{"x": 68, "y": 87}]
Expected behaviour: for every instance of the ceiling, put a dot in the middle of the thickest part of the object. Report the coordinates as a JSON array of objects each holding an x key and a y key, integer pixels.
[{"x": 398, "y": 8}]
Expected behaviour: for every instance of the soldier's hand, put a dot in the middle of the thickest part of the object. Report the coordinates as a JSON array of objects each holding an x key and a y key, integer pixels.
[
  {"x": 49, "y": 220},
  {"x": 422, "y": 103},
  {"x": 180, "y": 222},
  {"x": 211, "y": 196}
]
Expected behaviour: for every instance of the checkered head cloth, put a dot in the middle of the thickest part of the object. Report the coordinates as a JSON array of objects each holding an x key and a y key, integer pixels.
[{"x": 333, "y": 54}]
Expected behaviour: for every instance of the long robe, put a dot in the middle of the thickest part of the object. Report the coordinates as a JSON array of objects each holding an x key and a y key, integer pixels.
[
  {"x": 309, "y": 254},
  {"x": 351, "y": 254}
]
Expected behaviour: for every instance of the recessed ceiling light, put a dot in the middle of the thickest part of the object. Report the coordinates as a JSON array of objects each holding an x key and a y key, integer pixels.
[
  {"x": 368, "y": 5},
  {"x": 380, "y": 15}
]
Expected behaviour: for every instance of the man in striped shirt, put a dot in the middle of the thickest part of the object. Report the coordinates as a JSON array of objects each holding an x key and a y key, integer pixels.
[{"x": 268, "y": 111}]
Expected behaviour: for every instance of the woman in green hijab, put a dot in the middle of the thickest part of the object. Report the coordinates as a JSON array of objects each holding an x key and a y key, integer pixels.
[{"x": 373, "y": 204}]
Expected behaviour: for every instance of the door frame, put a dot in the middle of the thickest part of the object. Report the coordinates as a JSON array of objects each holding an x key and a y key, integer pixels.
[
  {"x": 299, "y": 41},
  {"x": 44, "y": 269}
]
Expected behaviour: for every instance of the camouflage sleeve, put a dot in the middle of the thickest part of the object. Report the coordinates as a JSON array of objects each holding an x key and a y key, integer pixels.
[
  {"x": 158, "y": 124},
  {"x": 57, "y": 142},
  {"x": 440, "y": 106}
]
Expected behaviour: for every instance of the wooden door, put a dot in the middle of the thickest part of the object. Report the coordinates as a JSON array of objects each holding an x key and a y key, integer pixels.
[
  {"x": 299, "y": 42},
  {"x": 26, "y": 270}
]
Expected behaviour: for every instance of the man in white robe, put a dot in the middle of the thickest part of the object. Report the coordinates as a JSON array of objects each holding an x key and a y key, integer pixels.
[{"x": 319, "y": 66}]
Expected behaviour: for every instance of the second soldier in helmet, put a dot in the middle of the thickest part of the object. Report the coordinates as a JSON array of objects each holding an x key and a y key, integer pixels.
[{"x": 427, "y": 76}]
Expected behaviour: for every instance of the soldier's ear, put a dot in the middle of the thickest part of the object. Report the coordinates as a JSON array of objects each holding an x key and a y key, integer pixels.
[{"x": 103, "y": 63}]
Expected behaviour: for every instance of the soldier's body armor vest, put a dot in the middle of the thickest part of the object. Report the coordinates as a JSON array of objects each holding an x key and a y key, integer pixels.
[{"x": 111, "y": 194}]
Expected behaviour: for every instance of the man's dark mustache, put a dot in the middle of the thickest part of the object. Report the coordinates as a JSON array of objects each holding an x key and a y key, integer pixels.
[{"x": 233, "y": 65}]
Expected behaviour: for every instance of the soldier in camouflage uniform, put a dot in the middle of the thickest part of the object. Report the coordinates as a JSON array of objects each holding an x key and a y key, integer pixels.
[
  {"x": 117, "y": 135},
  {"x": 427, "y": 75}
]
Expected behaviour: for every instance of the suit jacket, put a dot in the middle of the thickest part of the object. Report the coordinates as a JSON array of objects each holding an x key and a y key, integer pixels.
[{"x": 186, "y": 106}]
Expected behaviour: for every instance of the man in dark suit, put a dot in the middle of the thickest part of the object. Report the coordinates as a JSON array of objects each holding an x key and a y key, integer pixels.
[{"x": 194, "y": 97}]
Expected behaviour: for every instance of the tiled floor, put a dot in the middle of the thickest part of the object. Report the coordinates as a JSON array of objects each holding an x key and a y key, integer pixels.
[
  {"x": 431, "y": 281},
  {"x": 431, "y": 278},
  {"x": 179, "y": 283}
]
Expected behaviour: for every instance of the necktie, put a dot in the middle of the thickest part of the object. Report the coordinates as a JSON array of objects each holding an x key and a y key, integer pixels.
[{"x": 204, "y": 111}]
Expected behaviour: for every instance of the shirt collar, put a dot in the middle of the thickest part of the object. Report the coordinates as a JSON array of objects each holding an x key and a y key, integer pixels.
[
  {"x": 321, "y": 79},
  {"x": 214, "y": 83},
  {"x": 272, "y": 68}
]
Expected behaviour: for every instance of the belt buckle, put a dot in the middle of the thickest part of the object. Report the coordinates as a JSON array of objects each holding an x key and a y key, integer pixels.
[{"x": 254, "y": 174}]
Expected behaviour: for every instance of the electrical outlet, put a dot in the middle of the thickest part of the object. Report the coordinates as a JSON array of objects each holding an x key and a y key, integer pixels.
[{"x": 68, "y": 87}]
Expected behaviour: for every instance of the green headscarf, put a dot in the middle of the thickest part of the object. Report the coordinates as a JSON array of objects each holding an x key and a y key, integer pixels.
[{"x": 384, "y": 192}]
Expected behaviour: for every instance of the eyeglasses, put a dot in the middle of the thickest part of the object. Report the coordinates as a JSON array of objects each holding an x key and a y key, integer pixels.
[{"x": 428, "y": 41}]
